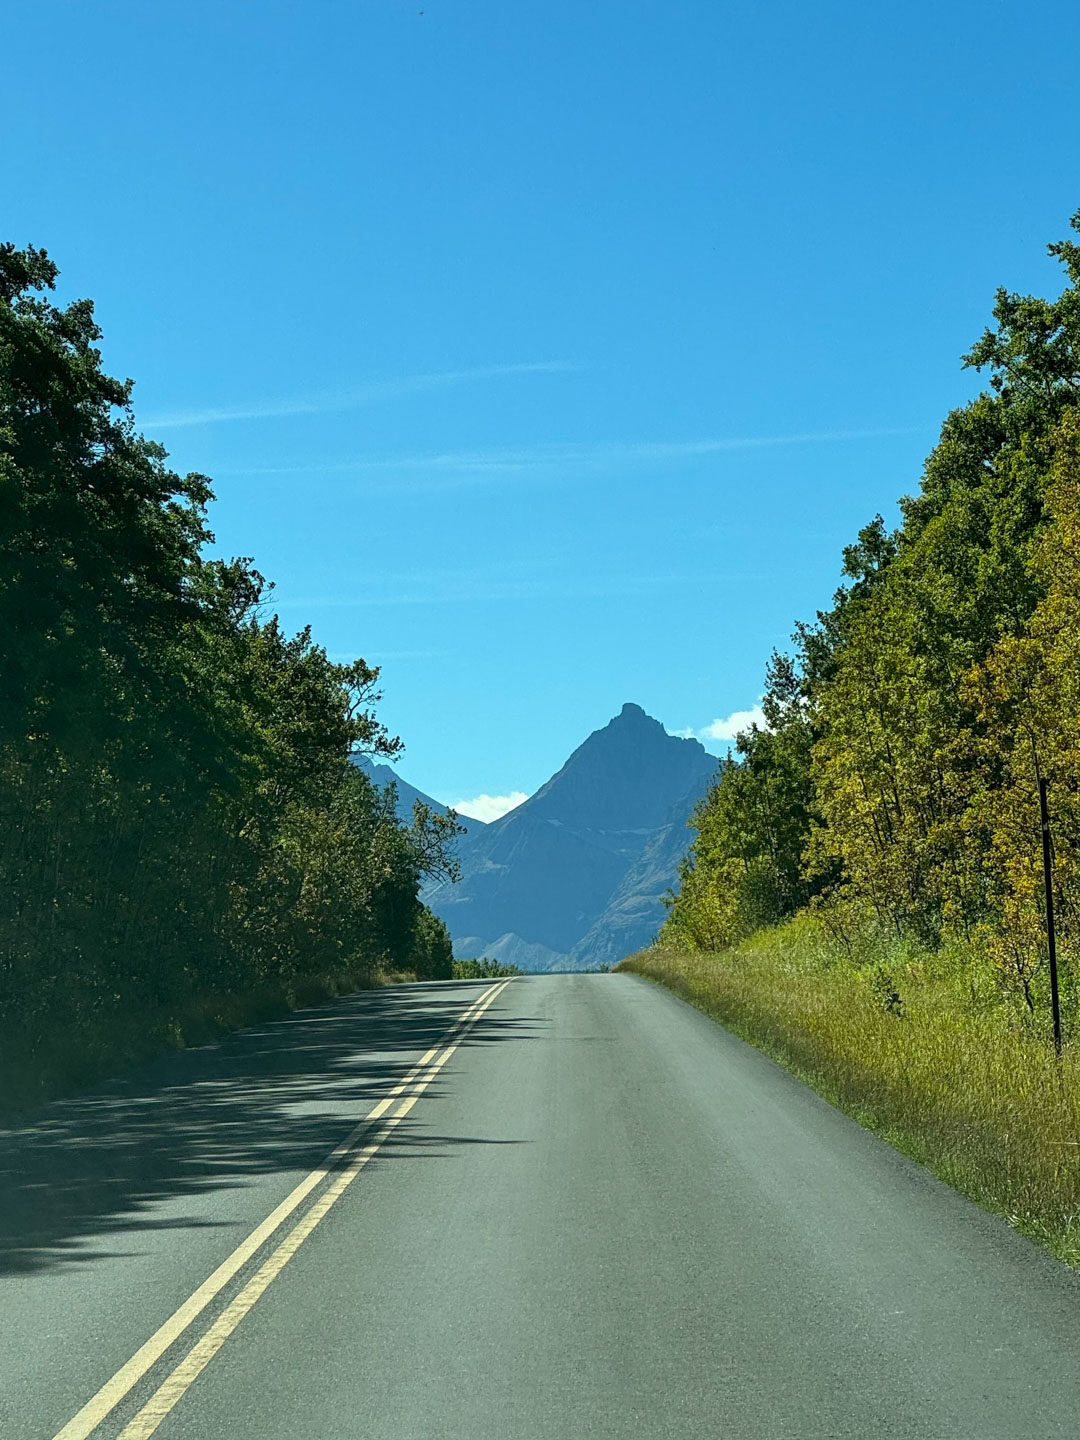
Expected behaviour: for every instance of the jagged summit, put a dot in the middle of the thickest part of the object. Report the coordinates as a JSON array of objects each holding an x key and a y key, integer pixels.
[
  {"x": 632, "y": 718},
  {"x": 606, "y": 830},
  {"x": 624, "y": 776}
]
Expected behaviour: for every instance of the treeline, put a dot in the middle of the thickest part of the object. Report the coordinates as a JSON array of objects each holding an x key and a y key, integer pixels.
[
  {"x": 894, "y": 786},
  {"x": 179, "y": 816},
  {"x": 483, "y": 969}
]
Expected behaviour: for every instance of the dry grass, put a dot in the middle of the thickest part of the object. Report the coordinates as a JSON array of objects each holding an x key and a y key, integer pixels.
[{"x": 977, "y": 1099}]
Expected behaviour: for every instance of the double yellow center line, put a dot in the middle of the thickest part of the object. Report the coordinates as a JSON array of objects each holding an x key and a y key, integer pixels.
[{"x": 345, "y": 1161}]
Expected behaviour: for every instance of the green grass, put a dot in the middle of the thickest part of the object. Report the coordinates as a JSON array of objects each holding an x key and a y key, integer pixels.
[{"x": 900, "y": 1044}]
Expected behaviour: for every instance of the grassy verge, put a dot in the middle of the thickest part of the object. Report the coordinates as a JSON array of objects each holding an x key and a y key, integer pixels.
[
  {"x": 978, "y": 1100},
  {"x": 34, "y": 1070}
]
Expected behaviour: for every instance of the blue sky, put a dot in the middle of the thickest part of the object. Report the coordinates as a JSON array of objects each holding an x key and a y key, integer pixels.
[{"x": 544, "y": 354}]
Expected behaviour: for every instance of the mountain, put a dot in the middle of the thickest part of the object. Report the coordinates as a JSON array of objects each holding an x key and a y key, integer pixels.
[
  {"x": 572, "y": 878},
  {"x": 382, "y": 775},
  {"x": 634, "y": 911}
]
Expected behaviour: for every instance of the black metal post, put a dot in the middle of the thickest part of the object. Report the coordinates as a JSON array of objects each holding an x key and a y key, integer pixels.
[{"x": 1051, "y": 939}]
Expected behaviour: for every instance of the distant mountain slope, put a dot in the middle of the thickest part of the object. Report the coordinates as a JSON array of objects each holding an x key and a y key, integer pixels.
[
  {"x": 635, "y": 911},
  {"x": 572, "y": 877},
  {"x": 382, "y": 775}
]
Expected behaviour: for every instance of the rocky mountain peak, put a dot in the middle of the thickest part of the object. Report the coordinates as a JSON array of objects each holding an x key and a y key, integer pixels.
[
  {"x": 623, "y": 776},
  {"x": 575, "y": 873}
]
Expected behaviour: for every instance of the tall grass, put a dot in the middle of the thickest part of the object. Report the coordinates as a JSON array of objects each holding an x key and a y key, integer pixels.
[{"x": 911, "y": 1050}]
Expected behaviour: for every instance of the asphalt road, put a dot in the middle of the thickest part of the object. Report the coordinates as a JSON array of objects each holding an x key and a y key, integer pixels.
[{"x": 599, "y": 1215}]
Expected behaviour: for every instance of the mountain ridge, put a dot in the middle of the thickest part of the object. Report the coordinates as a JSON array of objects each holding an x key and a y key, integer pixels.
[
  {"x": 382, "y": 775},
  {"x": 573, "y": 876}
]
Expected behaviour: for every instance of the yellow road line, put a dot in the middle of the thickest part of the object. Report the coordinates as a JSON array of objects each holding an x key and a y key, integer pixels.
[
  {"x": 113, "y": 1391},
  {"x": 203, "y": 1351}
]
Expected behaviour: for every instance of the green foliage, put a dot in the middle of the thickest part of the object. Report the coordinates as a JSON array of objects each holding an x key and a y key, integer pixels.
[
  {"x": 895, "y": 779},
  {"x": 745, "y": 869},
  {"x": 432, "y": 955},
  {"x": 1025, "y": 698},
  {"x": 178, "y": 810},
  {"x": 483, "y": 970}
]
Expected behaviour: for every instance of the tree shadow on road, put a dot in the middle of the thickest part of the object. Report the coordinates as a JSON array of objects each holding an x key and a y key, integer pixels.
[{"x": 273, "y": 1099}]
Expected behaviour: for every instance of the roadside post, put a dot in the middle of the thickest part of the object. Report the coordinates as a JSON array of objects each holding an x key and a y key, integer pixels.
[{"x": 1051, "y": 938}]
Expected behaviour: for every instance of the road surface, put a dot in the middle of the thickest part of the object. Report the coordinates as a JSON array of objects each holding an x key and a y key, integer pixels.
[{"x": 580, "y": 1209}]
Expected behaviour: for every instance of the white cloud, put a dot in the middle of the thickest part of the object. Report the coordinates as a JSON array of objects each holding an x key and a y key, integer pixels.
[
  {"x": 727, "y": 727},
  {"x": 448, "y": 466},
  {"x": 489, "y": 807},
  {"x": 346, "y": 399}
]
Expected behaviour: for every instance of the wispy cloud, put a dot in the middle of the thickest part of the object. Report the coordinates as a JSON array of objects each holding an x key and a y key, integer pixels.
[
  {"x": 727, "y": 727},
  {"x": 353, "y": 398},
  {"x": 443, "y": 469},
  {"x": 489, "y": 807},
  {"x": 470, "y": 586}
]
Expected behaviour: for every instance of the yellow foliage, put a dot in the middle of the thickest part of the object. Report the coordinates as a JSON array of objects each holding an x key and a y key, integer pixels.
[{"x": 1026, "y": 697}]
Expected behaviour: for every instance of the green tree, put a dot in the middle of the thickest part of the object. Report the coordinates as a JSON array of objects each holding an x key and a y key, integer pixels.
[
  {"x": 893, "y": 778},
  {"x": 894, "y": 768},
  {"x": 179, "y": 811}
]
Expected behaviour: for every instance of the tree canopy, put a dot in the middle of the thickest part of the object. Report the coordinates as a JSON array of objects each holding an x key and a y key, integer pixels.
[
  {"x": 179, "y": 810},
  {"x": 894, "y": 781}
]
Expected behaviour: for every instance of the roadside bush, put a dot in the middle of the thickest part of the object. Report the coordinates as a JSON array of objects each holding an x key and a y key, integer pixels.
[{"x": 483, "y": 970}]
